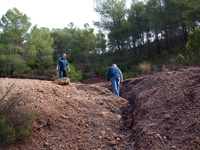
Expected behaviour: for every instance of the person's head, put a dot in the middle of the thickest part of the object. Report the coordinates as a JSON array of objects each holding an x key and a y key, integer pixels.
[
  {"x": 114, "y": 65},
  {"x": 63, "y": 55}
]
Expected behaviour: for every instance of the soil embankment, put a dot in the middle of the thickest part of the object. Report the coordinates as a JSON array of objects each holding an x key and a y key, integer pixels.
[
  {"x": 76, "y": 116},
  {"x": 166, "y": 109}
]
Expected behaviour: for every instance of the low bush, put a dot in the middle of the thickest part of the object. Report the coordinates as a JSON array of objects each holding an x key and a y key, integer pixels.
[
  {"x": 193, "y": 46},
  {"x": 7, "y": 133},
  {"x": 50, "y": 73},
  {"x": 180, "y": 58},
  {"x": 15, "y": 121},
  {"x": 73, "y": 75}
]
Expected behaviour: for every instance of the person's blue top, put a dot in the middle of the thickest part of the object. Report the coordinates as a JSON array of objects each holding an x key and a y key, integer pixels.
[
  {"x": 62, "y": 63},
  {"x": 114, "y": 72}
]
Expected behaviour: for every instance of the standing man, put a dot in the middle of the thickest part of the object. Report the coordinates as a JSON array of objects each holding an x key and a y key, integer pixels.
[
  {"x": 62, "y": 64},
  {"x": 115, "y": 77}
]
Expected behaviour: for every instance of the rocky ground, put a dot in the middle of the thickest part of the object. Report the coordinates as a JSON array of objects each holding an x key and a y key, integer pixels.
[
  {"x": 163, "y": 115},
  {"x": 76, "y": 116},
  {"x": 166, "y": 109}
]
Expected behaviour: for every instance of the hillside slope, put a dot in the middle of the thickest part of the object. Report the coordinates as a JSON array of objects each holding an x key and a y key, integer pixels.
[
  {"x": 166, "y": 109},
  {"x": 70, "y": 117}
]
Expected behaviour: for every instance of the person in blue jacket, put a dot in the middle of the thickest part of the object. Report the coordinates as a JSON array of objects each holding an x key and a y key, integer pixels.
[
  {"x": 62, "y": 64},
  {"x": 114, "y": 76}
]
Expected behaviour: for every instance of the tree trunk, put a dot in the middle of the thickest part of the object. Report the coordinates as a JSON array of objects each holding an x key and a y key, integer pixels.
[
  {"x": 169, "y": 43},
  {"x": 134, "y": 47},
  {"x": 148, "y": 46},
  {"x": 157, "y": 43},
  {"x": 185, "y": 33},
  {"x": 141, "y": 50}
]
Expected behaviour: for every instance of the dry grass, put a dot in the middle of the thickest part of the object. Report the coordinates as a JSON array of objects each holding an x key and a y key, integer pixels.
[{"x": 145, "y": 67}]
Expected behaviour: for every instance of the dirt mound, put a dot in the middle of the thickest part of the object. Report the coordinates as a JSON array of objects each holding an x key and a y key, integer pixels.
[
  {"x": 74, "y": 117},
  {"x": 166, "y": 109},
  {"x": 94, "y": 80}
]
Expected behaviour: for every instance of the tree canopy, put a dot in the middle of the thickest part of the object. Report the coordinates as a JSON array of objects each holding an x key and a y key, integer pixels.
[{"x": 151, "y": 30}]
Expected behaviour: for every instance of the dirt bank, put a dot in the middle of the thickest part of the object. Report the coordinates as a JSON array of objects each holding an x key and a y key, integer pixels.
[
  {"x": 166, "y": 109},
  {"x": 70, "y": 117}
]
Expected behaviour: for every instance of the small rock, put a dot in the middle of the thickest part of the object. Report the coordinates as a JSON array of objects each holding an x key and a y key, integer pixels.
[
  {"x": 103, "y": 92},
  {"x": 169, "y": 73},
  {"x": 21, "y": 103},
  {"x": 166, "y": 116},
  {"x": 46, "y": 144},
  {"x": 118, "y": 139},
  {"x": 40, "y": 90},
  {"x": 119, "y": 117},
  {"x": 62, "y": 81},
  {"x": 128, "y": 123},
  {"x": 111, "y": 143},
  {"x": 64, "y": 117},
  {"x": 104, "y": 113},
  {"x": 173, "y": 147}
]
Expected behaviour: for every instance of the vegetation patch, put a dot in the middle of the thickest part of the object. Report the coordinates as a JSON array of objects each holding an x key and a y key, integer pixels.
[{"x": 15, "y": 119}]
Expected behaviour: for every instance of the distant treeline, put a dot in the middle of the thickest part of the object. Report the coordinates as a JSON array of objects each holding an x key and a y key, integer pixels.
[{"x": 153, "y": 31}]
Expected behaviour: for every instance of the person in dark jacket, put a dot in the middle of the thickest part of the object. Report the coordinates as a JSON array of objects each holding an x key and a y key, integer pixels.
[
  {"x": 62, "y": 64},
  {"x": 115, "y": 77}
]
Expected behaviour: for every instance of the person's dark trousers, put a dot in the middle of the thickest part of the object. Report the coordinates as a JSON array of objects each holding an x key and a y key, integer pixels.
[
  {"x": 62, "y": 73},
  {"x": 115, "y": 83}
]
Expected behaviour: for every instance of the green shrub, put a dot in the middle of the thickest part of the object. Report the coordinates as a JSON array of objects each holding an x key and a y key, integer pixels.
[
  {"x": 14, "y": 121},
  {"x": 174, "y": 66},
  {"x": 123, "y": 67},
  {"x": 22, "y": 133},
  {"x": 193, "y": 46},
  {"x": 13, "y": 63},
  {"x": 51, "y": 73},
  {"x": 7, "y": 134},
  {"x": 102, "y": 71},
  {"x": 128, "y": 75},
  {"x": 75, "y": 76},
  {"x": 39, "y": 71},
  {"x": 164, "y": 54},
  {"x": 180, "y": 58}
]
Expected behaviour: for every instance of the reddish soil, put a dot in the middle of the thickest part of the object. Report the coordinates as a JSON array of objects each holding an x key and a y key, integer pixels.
[
  {"x": 94, "y": 80},
  {"x": 166, "y": 109},
  {"x": 76, "y": 116}
]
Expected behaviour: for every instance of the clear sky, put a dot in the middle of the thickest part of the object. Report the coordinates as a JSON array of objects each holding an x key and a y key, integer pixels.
[{"x": 54, "y": 13}]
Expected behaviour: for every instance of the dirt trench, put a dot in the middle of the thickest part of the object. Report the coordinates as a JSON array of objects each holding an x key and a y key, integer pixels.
[
  {"x": 165, "y": 109},
  {"x": 155, "y": 112}
]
